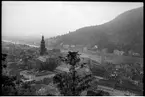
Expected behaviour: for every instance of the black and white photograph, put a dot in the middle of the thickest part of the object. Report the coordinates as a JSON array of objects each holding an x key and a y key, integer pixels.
[{"x": 72, "y": 48}]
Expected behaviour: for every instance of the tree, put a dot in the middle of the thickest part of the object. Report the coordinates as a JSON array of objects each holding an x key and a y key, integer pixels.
[
  {"x": 26, "y": 58},
  {"x": 8, "y": 86},
  {"x": 13, "y": 86},
  {"x": 70, "y": 84},
  {"x": 4, "y": 56}
]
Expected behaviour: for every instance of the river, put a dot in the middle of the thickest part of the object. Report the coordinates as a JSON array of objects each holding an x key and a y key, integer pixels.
[{"x": 20, "y": 43}]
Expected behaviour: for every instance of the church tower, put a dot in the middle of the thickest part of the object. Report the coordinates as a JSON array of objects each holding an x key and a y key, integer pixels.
[{"x": 42, "y": 47}]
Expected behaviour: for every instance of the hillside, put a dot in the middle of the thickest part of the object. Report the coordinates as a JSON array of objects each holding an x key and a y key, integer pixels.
[{"x": 124, "y": 32}]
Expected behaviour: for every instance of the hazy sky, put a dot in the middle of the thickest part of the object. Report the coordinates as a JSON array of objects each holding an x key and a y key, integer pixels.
[{"x": 23, "y": 18}]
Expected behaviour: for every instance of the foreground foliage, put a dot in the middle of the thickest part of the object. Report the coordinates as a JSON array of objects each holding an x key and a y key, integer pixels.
[
  {"x": 70, "y": 84},
  {"x": 11, "y": 85}
]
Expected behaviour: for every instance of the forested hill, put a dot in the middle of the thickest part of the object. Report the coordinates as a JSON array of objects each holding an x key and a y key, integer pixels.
[{"x": 123, "y": 32}]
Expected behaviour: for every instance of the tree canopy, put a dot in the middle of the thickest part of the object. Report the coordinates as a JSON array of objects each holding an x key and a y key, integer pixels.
[{"x": 69, "y": 83}]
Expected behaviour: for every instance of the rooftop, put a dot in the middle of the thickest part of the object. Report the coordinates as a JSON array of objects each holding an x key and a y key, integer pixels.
[
  {"x": 83, "y": 71},
  {"x": 43, "y": 58},
  {"x": 63, "y": 67},
  {"x": 48, "y": 89}
]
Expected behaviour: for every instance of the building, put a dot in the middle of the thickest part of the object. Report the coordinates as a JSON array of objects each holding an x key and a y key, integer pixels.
[
  {"x": 54, "y": 53},
  {"x": 132, "y": 53},
  {"x": 61, "y": 43},
  {"x": 47, "y": 58},
  {"x": 105, "y": 50},
  {"x": 48, "y": 90},
  {"x": 62, "y": 68},
  {"x": 83, "y": 71},
  {"x": 28, "y": 76},
  {"x": 117, "y": 52},
  {"x": 42, "y": 47},
  {"x": 85, "y": 49},
  {"x": 65, "y": 46},
  {"x": 79, "y": 48},
  {"x": 96, "y": 46},
  {"x": 47, "y": 62},
  {"x": 72, "y": 46},
  {"x": 42, "y": 58},
  {"x": 136, "y": 54}
]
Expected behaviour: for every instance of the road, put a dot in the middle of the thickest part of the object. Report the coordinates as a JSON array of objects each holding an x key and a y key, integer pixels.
[{"x": 114, "y": 92}]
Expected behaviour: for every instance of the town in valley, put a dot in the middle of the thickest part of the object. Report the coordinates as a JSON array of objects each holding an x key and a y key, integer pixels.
[{"x": 91, "y": 61}]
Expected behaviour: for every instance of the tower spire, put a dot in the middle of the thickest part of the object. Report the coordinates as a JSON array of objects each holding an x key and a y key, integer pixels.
[
  {"x": 42, "y": 37},
  {"x": 42, "y": 46}
]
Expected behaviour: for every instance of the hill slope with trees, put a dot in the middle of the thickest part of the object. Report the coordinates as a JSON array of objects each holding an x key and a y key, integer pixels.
[{"x": 125, "y": 32}]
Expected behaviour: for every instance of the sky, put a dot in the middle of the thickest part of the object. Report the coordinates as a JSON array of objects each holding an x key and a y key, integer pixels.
[{"x": 35, "y": 18}]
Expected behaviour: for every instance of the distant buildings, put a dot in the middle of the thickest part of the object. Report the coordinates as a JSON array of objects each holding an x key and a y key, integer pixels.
[
  {"x": 43, "y": 58},
  {"x": 66, "y": 46},
  {"x": 132, "y": 53},
  {"x": 72, "y": 46},
  {"x": 47, "y": 62},
  {"x": 62, "y": 68},
  {"x": 117, "y": 52},
  {"x": 95, "y": 48},
  {"x": 37, "y": 76},
  {"x": 61, "y": 43},
  {"x": 7, "y": 48},
  {"x": 104, "y": 50},
  {"x": 136, "y": 54},
  {"x": 48, "y": 59},
  {"x": 85, "y": 49},
  {"x": 48, "y": 90},
  {"x": 27, "y": 76},
  {"x": 83, "y": 71}
]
